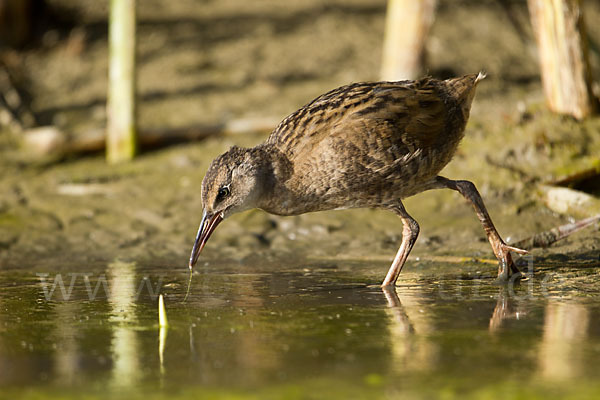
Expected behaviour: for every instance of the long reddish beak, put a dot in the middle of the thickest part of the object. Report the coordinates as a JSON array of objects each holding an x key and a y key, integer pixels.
[{"x": 207, "y": 226}]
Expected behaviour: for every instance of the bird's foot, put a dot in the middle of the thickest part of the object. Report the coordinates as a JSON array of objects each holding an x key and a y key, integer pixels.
[
  {"x": 508, "y": 248},
  {"x": 507, "y": 270},
  {"x": 505, "y": 277}
]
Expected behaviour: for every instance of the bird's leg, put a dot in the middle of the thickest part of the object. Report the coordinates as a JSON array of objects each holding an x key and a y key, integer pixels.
[
  {"x": 506, "y": 266},
  {"x": 410, "y": 231}
]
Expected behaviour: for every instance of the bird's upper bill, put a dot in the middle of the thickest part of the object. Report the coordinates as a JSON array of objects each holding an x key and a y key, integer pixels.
[{"x": 207, "y": 226}]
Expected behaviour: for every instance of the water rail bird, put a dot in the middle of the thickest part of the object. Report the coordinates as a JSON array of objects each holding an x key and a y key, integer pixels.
[{"x": 360, "y": 145}]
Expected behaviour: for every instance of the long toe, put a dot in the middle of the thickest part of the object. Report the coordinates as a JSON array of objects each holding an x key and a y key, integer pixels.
[
  {"x": 515, "y": 249},
  {"x": 507, "y": 270}
]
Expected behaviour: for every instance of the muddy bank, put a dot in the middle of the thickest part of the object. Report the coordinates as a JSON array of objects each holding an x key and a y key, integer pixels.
[{"x": 225, "y": 59}]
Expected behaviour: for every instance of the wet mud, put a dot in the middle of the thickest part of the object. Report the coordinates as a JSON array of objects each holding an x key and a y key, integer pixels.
[{"x": 287, "y": 307}]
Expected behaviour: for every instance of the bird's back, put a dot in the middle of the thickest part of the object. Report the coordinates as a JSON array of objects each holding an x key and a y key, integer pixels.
[{"x": 349, "y": 143}]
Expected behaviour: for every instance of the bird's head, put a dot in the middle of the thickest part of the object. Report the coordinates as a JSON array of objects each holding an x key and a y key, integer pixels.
[{"x": 233, "y": 183}]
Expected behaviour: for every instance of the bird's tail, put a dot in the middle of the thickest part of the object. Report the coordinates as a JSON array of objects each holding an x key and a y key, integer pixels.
[
  {"x": 463, "y": 89},
  {"x": 480, "y": 76}
]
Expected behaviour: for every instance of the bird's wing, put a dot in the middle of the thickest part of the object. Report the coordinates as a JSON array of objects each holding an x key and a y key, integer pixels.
[
  {"x": 378, "y": 125},
  {"x": 312, "y": 122}
]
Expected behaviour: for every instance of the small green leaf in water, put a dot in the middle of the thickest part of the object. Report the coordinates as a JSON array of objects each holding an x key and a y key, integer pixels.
[{"x": 162, "y": 312}]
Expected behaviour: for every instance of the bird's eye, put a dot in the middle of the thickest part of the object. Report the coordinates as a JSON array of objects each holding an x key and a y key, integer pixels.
[{"x": 223, "y": 192}]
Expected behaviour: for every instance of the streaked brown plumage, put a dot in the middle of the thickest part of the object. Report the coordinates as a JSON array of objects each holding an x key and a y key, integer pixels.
[{"x": 360, "y": 145}]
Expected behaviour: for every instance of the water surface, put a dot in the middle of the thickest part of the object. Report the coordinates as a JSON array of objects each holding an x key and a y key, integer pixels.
[{"x": 297, "y": 329}]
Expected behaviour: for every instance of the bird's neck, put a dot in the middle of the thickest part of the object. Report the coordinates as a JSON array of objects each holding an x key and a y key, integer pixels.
[{"x": 277, "y": 195}]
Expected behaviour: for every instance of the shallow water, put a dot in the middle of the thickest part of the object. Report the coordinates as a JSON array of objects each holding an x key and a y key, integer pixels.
[{"x": 298, "y": 329}]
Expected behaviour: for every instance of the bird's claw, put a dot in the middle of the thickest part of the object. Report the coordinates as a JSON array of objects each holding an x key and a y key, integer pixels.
[
  {"x": 515, "y": 249},
  {"x": 507, "y": 270}
]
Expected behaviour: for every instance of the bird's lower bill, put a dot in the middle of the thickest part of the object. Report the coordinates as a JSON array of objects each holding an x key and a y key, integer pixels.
[{"x": 207, "y": 226}]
